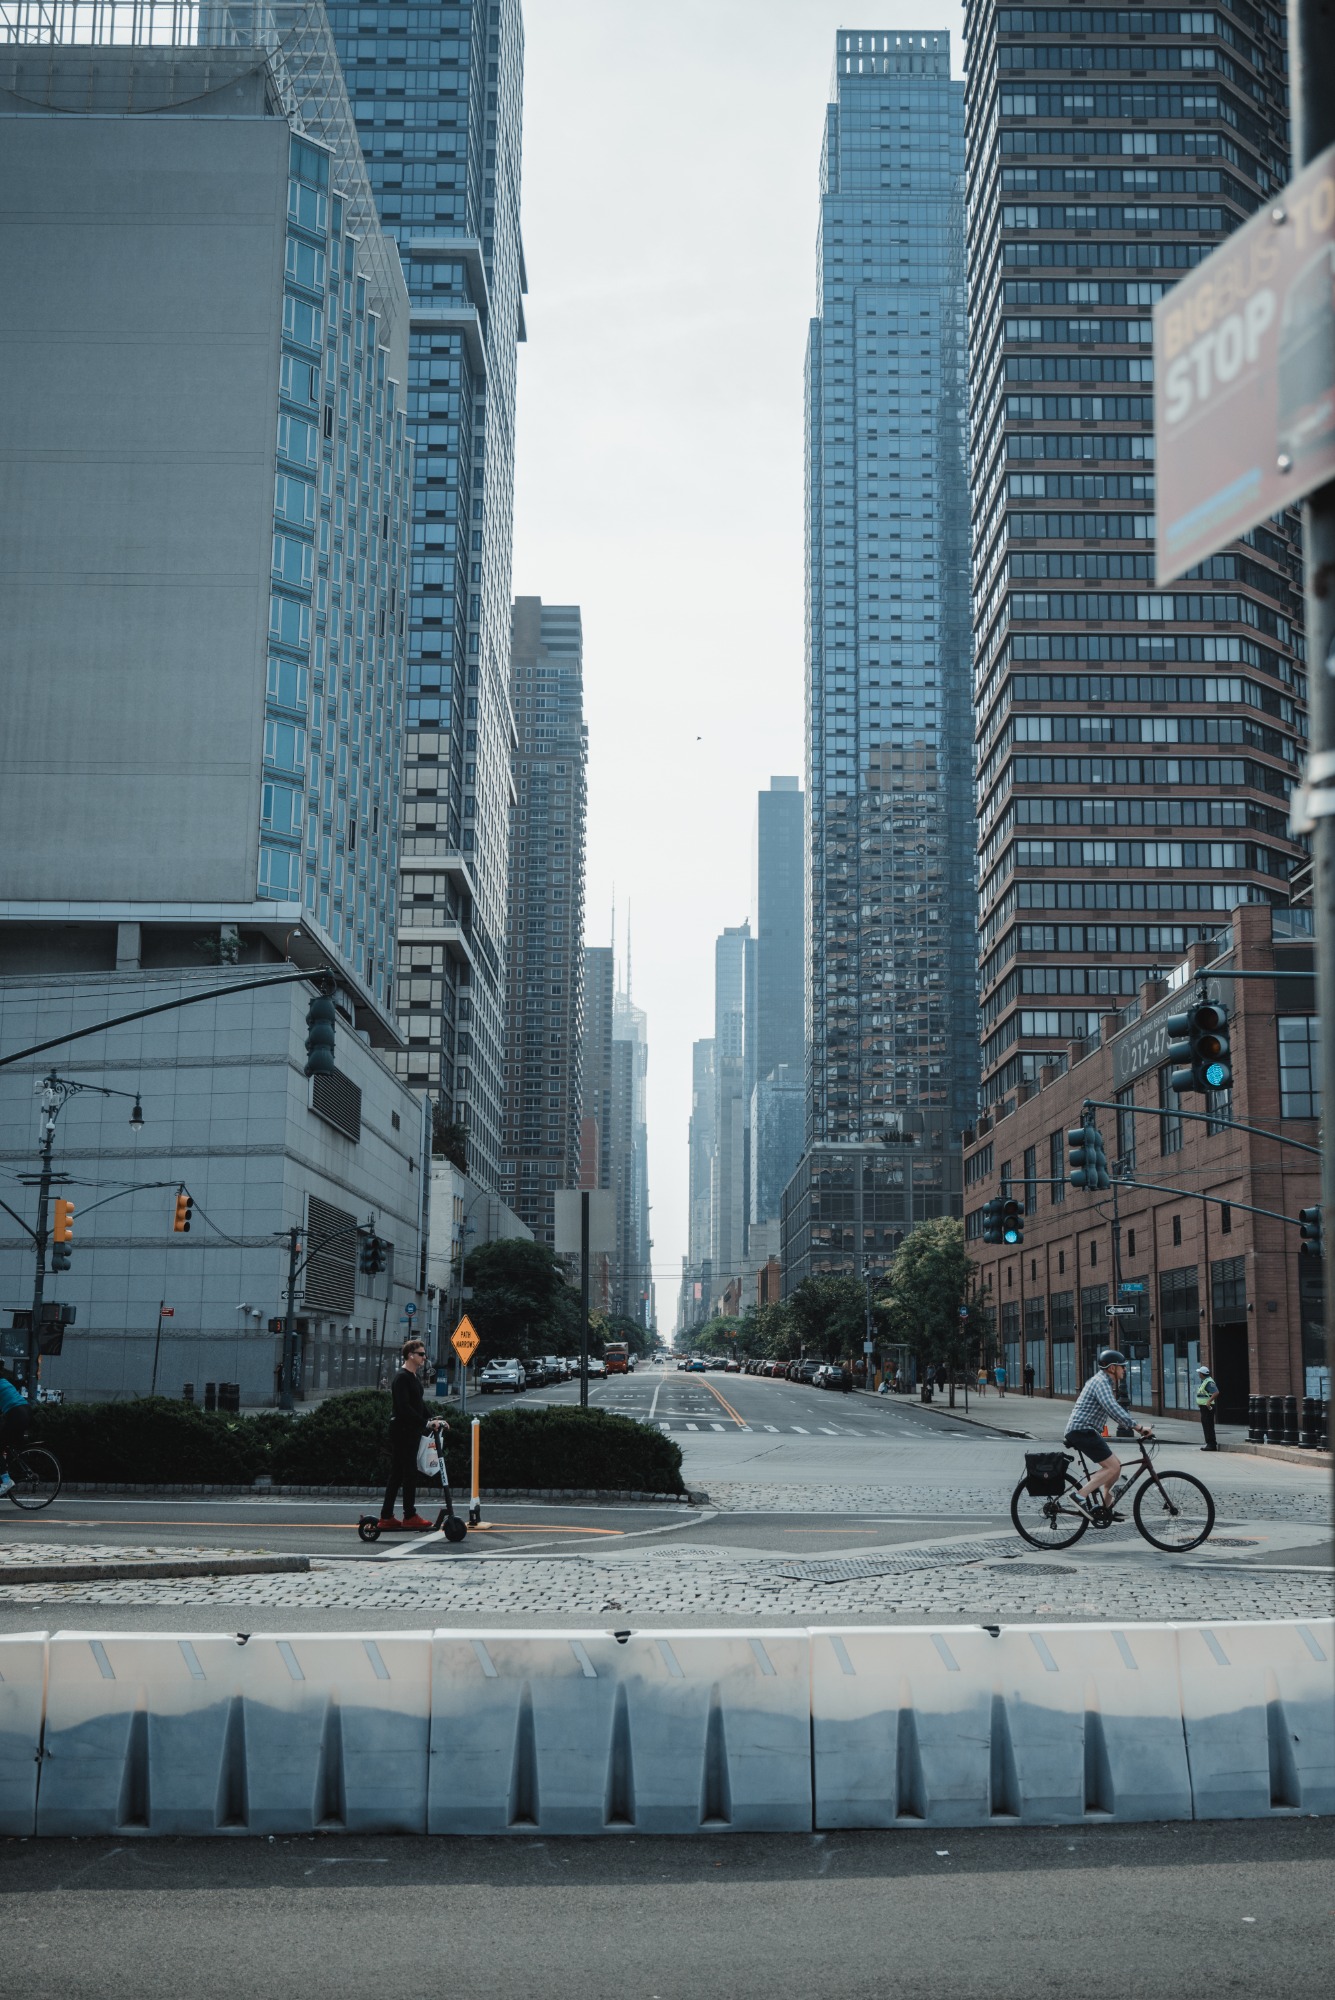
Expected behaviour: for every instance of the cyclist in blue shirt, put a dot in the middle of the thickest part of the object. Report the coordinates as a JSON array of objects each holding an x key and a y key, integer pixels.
[
  {"x": 13, "y": 1426},
  {"x": 1096, "y": 1405}
]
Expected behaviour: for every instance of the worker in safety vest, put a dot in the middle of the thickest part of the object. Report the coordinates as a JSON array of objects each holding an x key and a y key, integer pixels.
[{"x": 1207, "y": 1395}]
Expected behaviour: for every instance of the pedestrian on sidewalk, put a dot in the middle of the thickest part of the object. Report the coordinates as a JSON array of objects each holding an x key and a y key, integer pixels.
[
  {"x": 982, "y": 1381},
  {"x": 1207, "y": 1395},
  {"x": 999, "y": 1376},
  {"x": 407, "y": 1426},
  {"x": 1028, "y": 1378}
]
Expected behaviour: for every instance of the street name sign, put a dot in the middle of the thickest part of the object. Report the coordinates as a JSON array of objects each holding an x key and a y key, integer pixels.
[
  {"x": 464, "y": 1340},
  {"x": 1244, "y": 376}
]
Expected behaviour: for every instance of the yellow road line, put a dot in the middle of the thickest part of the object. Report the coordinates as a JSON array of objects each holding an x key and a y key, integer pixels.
[{"x": 734, "y": 1414}]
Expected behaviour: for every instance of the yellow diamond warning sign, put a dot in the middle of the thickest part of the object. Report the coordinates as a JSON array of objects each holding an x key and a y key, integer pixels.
[{"x": 464, "y": 1340}]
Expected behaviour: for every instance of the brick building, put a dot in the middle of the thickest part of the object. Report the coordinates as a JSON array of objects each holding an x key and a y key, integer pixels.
[{"x": 1201, "y": 1279}]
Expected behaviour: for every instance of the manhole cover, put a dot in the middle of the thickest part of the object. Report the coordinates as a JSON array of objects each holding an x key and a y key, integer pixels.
[{"x": 845, "y": 1569}]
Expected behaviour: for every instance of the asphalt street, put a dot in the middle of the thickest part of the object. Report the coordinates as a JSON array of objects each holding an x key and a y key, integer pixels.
[{"x": 1187, "y": 1911}]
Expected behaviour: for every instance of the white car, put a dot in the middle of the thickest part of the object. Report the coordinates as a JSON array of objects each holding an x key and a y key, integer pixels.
[
  {"x": 597, "y": 1366},
  {"x": 501, "y": 1378}
]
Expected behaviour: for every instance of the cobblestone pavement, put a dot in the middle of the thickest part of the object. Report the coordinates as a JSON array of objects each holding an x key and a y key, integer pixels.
[
  {"x": 22, "y": 1554},
  {"x": 1235, "y": 1498},
  {"x": 977, "y": 1580}
]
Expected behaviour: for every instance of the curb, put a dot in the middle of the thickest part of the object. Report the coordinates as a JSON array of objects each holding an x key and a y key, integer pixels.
[
  {"x": 119, "y": 1572},
  {"x": 1288, "y": 1454},
  {"x": 139, "y": 1491}
]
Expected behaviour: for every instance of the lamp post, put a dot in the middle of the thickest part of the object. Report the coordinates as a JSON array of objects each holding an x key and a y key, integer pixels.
[{"x": 56, "y": 1093}]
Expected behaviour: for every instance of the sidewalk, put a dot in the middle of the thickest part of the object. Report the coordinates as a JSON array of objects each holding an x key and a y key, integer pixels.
[{"x": 1044, "y": 1418}]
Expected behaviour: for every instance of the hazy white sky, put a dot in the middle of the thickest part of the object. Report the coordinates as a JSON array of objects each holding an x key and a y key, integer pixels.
[{"x": 671, "y": 152}]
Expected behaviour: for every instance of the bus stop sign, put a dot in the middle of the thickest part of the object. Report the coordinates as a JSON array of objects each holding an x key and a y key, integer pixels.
[{"x": 1244, "y": 375}]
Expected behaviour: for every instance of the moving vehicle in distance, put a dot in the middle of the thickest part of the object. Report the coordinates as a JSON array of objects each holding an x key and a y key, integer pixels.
[
  {"x": 501, "y": 1378},
  {"x": 616, "y": 1353}
]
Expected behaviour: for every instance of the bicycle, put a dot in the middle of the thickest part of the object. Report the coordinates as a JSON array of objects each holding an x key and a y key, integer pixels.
[
  {"x": 1174, "y": 1511},
  {"x": 36, "y": 1474}
]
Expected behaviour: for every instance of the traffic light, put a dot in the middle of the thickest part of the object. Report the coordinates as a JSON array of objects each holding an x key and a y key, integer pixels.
[
  {"x": 373, "y": 1257},
  {"x": 1200, "y": 1045},
  {"x": 1313, "y": 1240},
  {"x": 1012, "y": 1220},
  {"x": 62, "y": 1236},
  {"x": 320, "y": 1018},
  {"x": 992, "y": 1221},
  {"x": 185, "y": 1208},
  {"x": 1086, "y": 1159}
]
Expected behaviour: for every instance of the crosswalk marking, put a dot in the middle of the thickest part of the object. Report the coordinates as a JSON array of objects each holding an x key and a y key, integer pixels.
[
  {"x": 770, "y": 1427},
  {"x": 692, "y": 1427},
  {"x": 716, "y": 1427},
  {"x": 800, "y": 1432},
  {"x": 825, "y": 1431}
]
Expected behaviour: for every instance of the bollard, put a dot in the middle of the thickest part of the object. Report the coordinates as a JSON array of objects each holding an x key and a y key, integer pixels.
[
  {"x": 1323, "y": 1441},
  {"x": 474, "y": 1504},
  {"x": 1255, "y": 1420},
  {"x": 210, "y": 1395},
  {"x": 1289, "y": 1434},
  {"x": 1274, "y": 1425},
  {"x": 1311, "y": 1424}
]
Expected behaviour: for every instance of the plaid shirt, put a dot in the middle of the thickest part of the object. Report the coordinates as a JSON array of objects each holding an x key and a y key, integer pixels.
[{"x": 1095, "y": 1405}]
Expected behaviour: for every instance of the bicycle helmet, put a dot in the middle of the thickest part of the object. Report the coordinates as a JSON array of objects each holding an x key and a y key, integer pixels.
[{"x": 1111, "y": 1357}]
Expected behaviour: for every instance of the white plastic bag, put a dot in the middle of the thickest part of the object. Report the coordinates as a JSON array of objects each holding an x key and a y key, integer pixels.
[{"x": 428, "y": 1458}]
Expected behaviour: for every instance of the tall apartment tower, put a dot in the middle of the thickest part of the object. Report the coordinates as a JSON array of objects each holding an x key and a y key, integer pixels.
[
  {"x": 780, "y": 930},
  {"x": 546, "y": 924},
  {"x": 596, "y": 1067},
  {"x": 632, "y": 1275},
  {"x": 734, "y": 1075},
  {"x": 890, "y": 980},
  {"x": 697, "y": 1265},
  {"x": 437, "y": 94},
  {"x": 1135, "y": 747},
  {"x": 775, "y": 1117}
]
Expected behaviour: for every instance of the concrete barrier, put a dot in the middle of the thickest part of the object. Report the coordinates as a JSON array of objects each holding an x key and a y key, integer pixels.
[
  {"x": 961, "y": 1726},
  {"x": 22, "y": 1695},
  {"x": 1258, "y": 1706},
  {"x": 668, "y": 1732},
  {"x": 150, "y": 1733},
  {"x": 664, "y": 1732}
]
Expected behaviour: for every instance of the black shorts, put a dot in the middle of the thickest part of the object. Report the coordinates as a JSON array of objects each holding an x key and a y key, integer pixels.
[{"x": 1091, "y": 1444}]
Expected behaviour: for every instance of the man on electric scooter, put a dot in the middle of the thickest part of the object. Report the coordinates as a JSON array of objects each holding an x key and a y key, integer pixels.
[{"x": 407, "y": 1427}]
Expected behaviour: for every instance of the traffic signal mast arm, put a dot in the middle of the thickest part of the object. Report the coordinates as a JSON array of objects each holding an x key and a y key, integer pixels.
[
  {"x": 1206, "y": 1117},
  {"x": 164, "y": 1007},
  {"x": 1159, "y": 1187}
]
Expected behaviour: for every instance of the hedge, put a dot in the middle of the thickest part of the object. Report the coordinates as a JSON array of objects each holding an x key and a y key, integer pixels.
[{"x": 344, "y": 1441}]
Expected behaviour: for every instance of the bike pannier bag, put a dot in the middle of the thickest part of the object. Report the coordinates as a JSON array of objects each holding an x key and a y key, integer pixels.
[{"x": 1046, "y": 1472}]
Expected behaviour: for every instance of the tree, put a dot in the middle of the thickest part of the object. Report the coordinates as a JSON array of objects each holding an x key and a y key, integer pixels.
[
  {"x": 449, "y": 1139},
  {"x": 521, "y": 1303},
  {"x": 829, "y": 1315},
  {"x": 932, "y": 1277}
]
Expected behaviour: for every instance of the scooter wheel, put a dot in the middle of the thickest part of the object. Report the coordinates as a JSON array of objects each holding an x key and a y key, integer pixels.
[
  {"x": 455, "y": 1529},
  {"x": 368, "y": 1529}
]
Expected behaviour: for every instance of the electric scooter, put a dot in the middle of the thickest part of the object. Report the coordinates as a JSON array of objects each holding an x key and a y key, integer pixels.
[{"x": 369, "y": 1529}]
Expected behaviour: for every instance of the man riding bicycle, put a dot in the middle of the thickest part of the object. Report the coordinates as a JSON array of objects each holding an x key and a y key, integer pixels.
[
  {"x": 13, "y": 1427},
  {"x": 1093, "y": 1407}
]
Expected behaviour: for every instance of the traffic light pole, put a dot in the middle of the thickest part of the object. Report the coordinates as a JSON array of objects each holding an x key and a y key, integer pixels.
[
  {"x": 1312, "y": 100},
  {"x": 40, "y": 1237},
  {"x": 287, "y": 1398}
]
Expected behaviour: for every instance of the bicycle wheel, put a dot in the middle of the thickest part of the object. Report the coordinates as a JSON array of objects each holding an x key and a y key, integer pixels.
[
  {"x": 36, "y": 1476},
  {"x": 1174, "y": 1512},
  {"x": 1048, "y": 1520}
]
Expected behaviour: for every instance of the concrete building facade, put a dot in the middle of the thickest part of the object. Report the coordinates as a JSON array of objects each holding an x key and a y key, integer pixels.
[{"x": 543, "y": 1073}]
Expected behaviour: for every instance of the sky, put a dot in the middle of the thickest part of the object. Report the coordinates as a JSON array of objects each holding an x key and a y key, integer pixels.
[{"x": 671, "y": 160}]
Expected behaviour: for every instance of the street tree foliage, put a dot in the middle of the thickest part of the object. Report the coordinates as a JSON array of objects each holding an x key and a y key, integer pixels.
[
  {"x": 824, "y": 1319},
  {"x": 931, "y": 1278},
  {"x": 604, "y": 1326},
  {"x": 521, "y": 1303}
]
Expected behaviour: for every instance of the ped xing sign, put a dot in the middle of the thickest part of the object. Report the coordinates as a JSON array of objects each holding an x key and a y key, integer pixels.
[{"x": 1244, "y": 376}]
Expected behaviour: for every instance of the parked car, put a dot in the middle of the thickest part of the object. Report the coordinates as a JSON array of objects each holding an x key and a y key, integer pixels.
[
  {"x": 502, "y": 1378},
  {"x": 732, "y": 1366},
  {"x": 807, "y": 1371},
  {"x": 695, "y": 1367}
]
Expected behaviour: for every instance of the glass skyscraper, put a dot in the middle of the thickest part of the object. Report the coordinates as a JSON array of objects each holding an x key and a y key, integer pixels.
[
  {"x": 891, "y": 1041},
  {"x": 546, "y": 929},
  {"x": 437, "y": 95},
  {"x": 1135, "y": 747}
]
